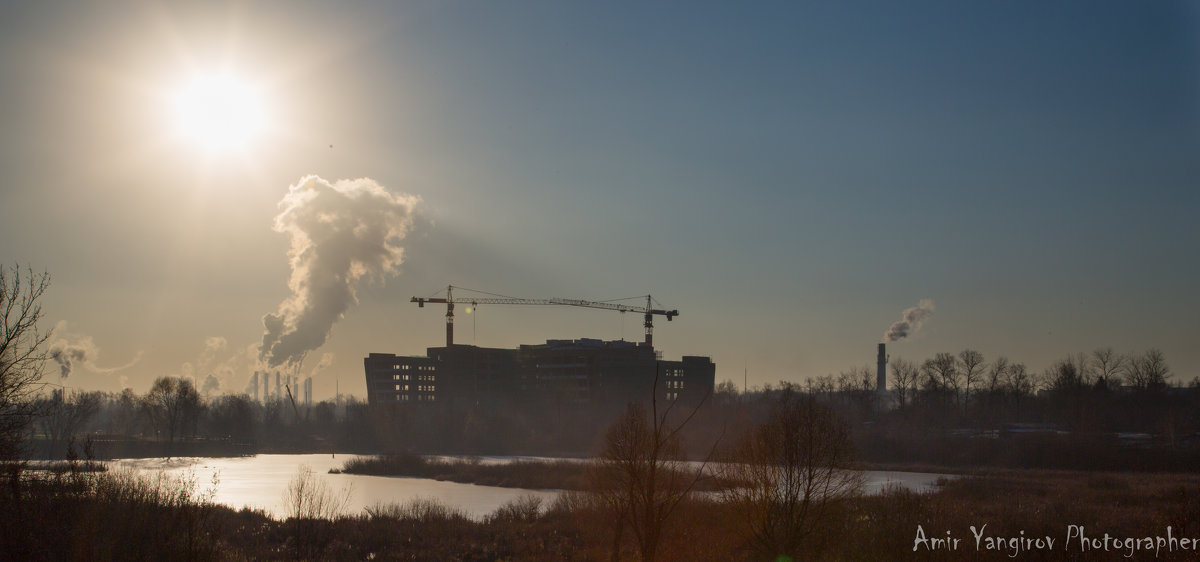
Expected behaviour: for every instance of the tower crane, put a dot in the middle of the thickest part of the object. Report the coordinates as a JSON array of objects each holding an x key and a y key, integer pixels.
[{"x": 649, "y": 311}]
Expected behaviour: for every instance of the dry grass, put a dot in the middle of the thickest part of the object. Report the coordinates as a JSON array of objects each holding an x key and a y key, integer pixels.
[{"x": 120, "y": 515}]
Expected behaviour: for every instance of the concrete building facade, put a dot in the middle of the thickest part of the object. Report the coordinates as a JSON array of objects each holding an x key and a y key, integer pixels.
[{"x": 561, "y": 373}]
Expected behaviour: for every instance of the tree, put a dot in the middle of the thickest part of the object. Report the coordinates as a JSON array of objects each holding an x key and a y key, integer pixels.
[
  {"x": 1067, "y": 376},
  {"x": 857, "y": 386},
  {"x": 22, "y": 353},
  {"x": 996, "y": 375},
  {"x": 905, "y": 377},
  {"x": 788, "y": 474},
  {"x": 1148, "y": 371},
  {"x": 971, "y": 365},
  {"x": 233, "y": 416},
  {"x": 61, "y": 417},
  {"x": 941, "y": 376},
  {"x": 726, "y": 393},
  {"x": 127, "y": 414},
  {"x": 641, "y": 475},
  {"x": 173, "y": 405},
  {"x": 1108, "y": 365}
]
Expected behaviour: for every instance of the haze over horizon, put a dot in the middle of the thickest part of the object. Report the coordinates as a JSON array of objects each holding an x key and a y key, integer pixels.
[{"x": 792, "y": 178}]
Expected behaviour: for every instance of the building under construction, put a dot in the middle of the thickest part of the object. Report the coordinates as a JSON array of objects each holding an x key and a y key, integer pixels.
[
  {"x": 582, "y": 372},
  {"x": 565, "y": 373}
]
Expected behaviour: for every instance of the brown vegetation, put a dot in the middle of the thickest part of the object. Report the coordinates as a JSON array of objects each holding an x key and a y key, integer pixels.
[
  {"x": 536, "y": 475},
  {"x": 795, "y": 470},
  {"x": 119, "y": 516}
]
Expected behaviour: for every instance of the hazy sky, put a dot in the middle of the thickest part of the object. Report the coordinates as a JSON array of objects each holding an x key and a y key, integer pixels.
[{"x": 790, "y": 176}]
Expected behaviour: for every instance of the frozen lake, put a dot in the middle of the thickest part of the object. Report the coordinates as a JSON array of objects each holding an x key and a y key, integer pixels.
[{"x": 260, "y": 481}]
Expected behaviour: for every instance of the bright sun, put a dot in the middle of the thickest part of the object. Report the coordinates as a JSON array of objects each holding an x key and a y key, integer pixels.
[{"x": 218, "y": 111}]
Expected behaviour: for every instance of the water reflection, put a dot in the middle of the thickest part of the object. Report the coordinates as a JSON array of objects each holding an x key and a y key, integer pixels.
[{"x": 259, "y": 482}]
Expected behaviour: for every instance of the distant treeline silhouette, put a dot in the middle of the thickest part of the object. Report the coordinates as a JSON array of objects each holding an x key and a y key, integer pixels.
[{"x": 1107, "y": 410}]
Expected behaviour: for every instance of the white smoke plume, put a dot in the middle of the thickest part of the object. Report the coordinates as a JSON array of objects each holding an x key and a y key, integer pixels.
[
  {"x": 252, "y": 384},
  {"x": 911, "y": 321},
  {"x": 340, "y": 233},
  {"x": 70, "y": 350},
  {"x": 212, "y": 385},
  {"x": 212, "y": 346},
  {"x": 216, "y": 365},
  {"x": 324, "y": 363}
]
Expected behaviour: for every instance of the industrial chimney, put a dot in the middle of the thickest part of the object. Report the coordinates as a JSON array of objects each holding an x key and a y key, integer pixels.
[{"x": 881, "y": 371}]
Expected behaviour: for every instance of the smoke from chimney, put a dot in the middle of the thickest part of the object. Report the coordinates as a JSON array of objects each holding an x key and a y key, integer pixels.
[
  {"x": 69, "y": 350},
  {"x": 340, "y": 233},
  {"x": 910, "y": 322}
]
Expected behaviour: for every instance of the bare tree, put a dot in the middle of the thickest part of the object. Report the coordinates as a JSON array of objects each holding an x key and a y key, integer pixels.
[
  {"x": 996, "y": 375},
  {"x": 1018, "y": 382},
  {"x": 790, "y": 472},
  {"x": 1148, "y": 371},
  {"x": 1067, "y": 375},
  {"x": 22, "y": 353},
  {"x": 857, "y": 386},
  {"x": 971, "y": 365},
  {"x": 61, "y": 417},
  {"x": 1108, "y": 365},
  {"x": 307, "y": 497},
  {"x": 905, "y": 377},
  {"x": 172, "y": 404},
  {"x": 940, "y": 377},
  {"x": 127, "y": 417},
  {"x": 641, "y": 475}
]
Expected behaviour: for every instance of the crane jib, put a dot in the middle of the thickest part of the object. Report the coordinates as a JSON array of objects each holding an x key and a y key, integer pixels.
[{"x": 450, "y": 300}]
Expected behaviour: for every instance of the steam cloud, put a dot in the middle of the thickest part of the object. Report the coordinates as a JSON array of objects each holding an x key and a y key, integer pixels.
[
  {"x": 211, "y": 385},
  {"x": 911, "y": 322},
  {"x": 340, "y": 233},
  {"x": 324, "y": 363},
  {"x": 69, "y": 350}
]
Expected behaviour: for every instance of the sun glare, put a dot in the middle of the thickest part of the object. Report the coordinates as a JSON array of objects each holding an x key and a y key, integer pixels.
[{"x": 218, "y": 111}]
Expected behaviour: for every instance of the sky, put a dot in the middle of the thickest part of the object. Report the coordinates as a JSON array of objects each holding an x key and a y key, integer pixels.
[{"x": 790, "y": 176}]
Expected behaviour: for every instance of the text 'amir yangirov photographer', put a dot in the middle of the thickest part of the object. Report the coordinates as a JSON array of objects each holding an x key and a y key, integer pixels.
[{"x": 1075, "y": 539}]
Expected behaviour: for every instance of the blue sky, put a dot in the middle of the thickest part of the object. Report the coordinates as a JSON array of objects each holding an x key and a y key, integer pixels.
[{"x": 790, "y": 176}]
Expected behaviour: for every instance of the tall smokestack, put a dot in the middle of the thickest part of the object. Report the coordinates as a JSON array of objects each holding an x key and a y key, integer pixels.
[{"x": 881, "y": 370}]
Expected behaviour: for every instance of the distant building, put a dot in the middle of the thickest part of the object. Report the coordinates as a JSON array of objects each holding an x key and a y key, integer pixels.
[{"x": 564, "y": 373}]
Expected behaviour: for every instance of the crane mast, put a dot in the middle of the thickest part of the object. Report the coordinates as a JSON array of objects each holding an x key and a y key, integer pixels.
[{"x": 648, "y": 311}]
